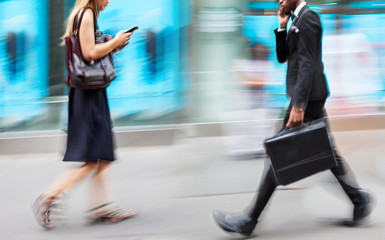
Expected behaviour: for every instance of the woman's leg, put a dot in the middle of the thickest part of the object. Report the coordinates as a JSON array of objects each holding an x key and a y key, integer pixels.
[
  {"x": 66, "y": 182},
  {"x": 103, "y": 208},
  {"x": 48, "y": 208},
  {"x": 100, "y": 189}
]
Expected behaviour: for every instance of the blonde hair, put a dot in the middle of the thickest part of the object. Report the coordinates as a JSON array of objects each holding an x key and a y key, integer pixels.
[{"x": 71, "y": 18}]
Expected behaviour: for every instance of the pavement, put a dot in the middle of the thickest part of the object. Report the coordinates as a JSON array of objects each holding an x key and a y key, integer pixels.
[{"x": 175, "y": 187}]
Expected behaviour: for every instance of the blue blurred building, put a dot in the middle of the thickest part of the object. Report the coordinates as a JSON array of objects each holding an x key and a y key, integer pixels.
[
  {"x": 179, "y": 65},
  {"x": 23, "y": 59},
  {"x": 152, "y": 69}
]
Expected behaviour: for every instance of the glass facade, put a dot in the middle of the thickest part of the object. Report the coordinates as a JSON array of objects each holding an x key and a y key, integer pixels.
[
  {"x": 190, "y": 61},
  {"x": 23, "y": 61}
]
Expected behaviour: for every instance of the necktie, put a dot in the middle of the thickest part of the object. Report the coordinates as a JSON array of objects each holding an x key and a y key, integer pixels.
[{"x": 292, "y": 15}]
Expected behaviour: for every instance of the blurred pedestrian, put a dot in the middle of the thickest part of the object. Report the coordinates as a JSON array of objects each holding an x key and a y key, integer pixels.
[
  {"x": 90, "y": 138},
  {"x": 307, "y": 89},
  {"x": 251, "y": 118}
]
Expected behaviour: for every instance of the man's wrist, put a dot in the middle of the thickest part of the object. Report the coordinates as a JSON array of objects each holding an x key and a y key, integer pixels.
[
  {"x": 282, "y": 27},
  {"x": 299, "y": 108}
]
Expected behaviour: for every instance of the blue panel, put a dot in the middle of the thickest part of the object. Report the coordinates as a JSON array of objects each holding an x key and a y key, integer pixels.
[
  {"x": 262, "y": 5},
  {"x": 149, "y": 67},
  {"x": 23, "y": 57},
  {"x": 368, "y": 5}
]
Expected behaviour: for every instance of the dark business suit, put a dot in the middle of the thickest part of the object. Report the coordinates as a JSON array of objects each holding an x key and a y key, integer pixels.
[{"x": 306, "y": 86}]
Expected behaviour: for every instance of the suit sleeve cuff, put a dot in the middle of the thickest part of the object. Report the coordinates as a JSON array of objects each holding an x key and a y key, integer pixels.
[{"x": 300, "y": 106}]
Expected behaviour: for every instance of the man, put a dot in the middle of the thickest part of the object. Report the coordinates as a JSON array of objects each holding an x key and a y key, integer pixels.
[{"x": 307, "y": 90}]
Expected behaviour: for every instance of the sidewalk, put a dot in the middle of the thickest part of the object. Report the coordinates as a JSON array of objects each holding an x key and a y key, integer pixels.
[{"x": 176, "y": 187}]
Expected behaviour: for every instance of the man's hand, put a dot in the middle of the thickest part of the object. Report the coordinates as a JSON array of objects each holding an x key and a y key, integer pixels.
[
  {"x": 296, "y": 117},
  {"x": 283, "y": 18}
]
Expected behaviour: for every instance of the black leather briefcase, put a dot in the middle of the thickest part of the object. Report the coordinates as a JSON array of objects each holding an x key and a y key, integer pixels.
[{"x": 299, "y": 152}]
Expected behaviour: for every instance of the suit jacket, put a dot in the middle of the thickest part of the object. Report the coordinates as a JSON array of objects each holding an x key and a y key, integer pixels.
[{"x": 301, "y": 47}]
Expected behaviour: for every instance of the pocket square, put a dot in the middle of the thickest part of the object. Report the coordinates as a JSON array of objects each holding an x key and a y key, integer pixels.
[{"x": 294, "y": 29}]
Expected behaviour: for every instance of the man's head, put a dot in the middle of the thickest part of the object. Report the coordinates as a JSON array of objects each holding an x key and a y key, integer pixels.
[{"x": 289, "y": 5}]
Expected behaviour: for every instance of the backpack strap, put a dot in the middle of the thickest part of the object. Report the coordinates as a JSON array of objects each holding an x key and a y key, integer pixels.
[{"x": 78, "y": 20}]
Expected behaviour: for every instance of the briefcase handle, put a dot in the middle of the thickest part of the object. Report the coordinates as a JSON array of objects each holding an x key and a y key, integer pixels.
[{"x": 287, "y": 130}]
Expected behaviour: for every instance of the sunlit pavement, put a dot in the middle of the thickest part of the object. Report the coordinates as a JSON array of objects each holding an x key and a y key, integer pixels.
[{"x": 175, "y": 188}]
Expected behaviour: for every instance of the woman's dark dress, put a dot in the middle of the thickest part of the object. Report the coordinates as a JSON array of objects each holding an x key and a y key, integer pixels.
[{"x": 89, "y": 127}]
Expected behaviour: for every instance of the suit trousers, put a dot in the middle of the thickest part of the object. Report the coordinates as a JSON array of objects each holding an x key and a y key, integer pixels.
[{"x": 342, "y": 171}]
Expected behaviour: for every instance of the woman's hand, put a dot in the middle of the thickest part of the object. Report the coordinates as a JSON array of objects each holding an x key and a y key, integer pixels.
[
  {"x": 92, "y": 51},
  {"x": 121, "y": 39}
]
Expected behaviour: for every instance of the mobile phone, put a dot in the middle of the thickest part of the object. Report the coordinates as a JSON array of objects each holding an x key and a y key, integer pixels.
[{"x": 132, "y": 29}]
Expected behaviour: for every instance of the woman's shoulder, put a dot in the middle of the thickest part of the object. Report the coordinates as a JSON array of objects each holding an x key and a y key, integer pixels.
[{"x": 88, "y": 16}]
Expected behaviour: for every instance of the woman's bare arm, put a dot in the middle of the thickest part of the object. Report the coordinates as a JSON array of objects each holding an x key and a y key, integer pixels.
[{"x": 91, "y": 50}]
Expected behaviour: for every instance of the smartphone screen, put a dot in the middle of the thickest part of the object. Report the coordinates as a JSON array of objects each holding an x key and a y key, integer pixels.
[{"x": 132, "y": 29}]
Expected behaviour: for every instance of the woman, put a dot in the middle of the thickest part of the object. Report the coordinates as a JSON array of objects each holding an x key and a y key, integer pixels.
[{"x": 90, "y": 137}]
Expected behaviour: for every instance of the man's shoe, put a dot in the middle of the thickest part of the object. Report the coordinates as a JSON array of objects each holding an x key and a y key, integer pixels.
[
  {"x": 362, "y": 211},
  {"x": 234, "y": 223}
]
